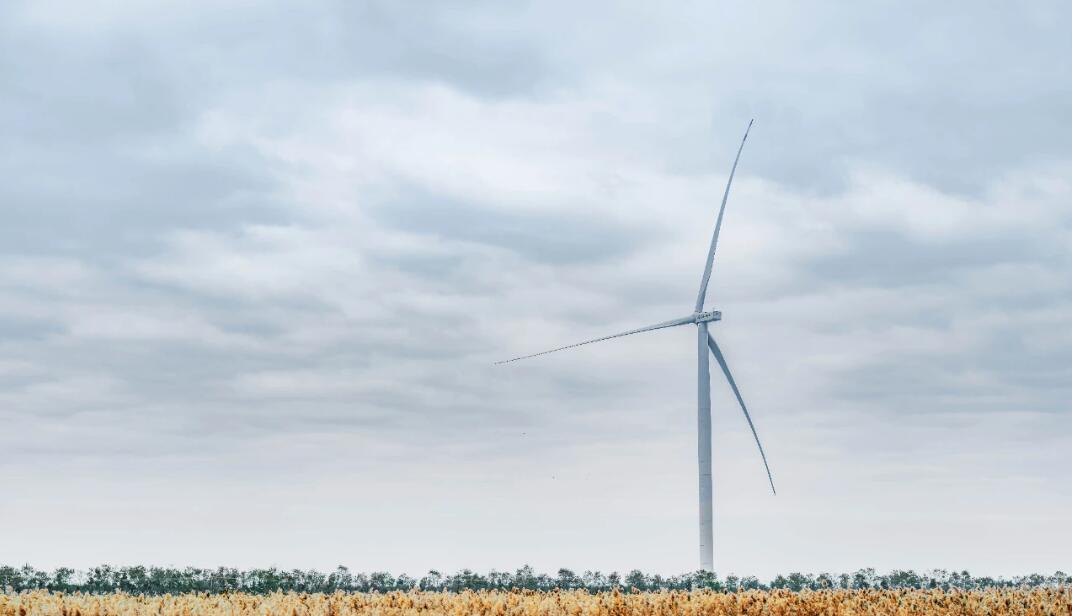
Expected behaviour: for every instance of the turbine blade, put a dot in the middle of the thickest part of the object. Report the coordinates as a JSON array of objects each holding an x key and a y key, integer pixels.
[
  {"x": 673, "y": 323},
  {"x": 733, "y": 385},
  {"x": 718, "y": 226}
]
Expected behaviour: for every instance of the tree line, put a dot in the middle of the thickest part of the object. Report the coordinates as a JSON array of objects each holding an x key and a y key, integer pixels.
[{"x": 166, "y": 580}]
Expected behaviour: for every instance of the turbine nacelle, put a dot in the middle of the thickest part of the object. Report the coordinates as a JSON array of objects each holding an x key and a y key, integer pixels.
[{"x": 703, "y": 317}]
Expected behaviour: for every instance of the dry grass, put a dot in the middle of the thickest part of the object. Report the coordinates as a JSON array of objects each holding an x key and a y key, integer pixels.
[{"x": 1035, "y": 602}]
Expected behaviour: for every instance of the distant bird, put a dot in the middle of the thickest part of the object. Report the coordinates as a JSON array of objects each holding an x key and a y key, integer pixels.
[{"x": 705, "y": 342}]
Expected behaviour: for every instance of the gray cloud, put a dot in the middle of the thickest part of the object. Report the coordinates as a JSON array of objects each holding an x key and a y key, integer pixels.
[
  {"x": 256, "y": 263},
  {"x": 534, "y": 236}
]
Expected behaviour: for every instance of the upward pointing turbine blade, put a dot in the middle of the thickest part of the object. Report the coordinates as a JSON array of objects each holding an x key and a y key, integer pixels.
[
  {"x": 733, "y": 385},
  {"x": 718, "y": 226},
  {"x": 664, "y": 325}
]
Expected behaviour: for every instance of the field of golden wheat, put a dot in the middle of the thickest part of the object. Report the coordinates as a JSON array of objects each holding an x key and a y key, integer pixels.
[{"x": 1034, "y": 602}]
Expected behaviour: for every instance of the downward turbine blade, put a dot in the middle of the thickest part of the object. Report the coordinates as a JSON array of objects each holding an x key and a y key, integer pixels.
[
  {"x": 674, "y": 323},
  {"x": 733, "y": 385},
  {"x": 718, "y": 226}
]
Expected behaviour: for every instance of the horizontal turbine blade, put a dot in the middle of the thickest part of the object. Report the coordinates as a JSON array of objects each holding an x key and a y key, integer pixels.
[
  {"x": 718, "y": 226},
  {"x": 664, "y": 325},
  {"x": 733, "y": 385}
]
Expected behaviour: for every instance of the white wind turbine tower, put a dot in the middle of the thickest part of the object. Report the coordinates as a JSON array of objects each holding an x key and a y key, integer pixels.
[{"x": 705, "y": 342}]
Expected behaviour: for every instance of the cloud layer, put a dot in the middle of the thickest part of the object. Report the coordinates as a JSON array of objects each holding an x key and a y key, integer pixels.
[{"x": 257, "y": 261}]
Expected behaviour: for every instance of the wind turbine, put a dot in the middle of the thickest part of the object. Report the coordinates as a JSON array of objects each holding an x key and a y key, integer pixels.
[{"x": 705, "y": 343}]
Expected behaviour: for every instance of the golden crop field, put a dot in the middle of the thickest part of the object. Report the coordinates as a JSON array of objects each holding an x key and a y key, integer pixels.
[{"x": 1034, "y": 602}]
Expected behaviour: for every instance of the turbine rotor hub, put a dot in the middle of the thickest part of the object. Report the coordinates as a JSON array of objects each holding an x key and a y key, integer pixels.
[{"x": 703, "y": 317}]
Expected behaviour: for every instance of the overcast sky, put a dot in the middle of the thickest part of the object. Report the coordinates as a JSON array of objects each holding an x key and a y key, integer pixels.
[{"x": 256, "y": 261}]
